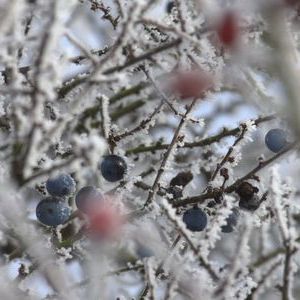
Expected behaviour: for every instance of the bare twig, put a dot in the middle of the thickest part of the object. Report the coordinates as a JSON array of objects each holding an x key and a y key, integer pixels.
[
  {"x": 204, "y": 142},
  {"x": 174, "y": 141}
]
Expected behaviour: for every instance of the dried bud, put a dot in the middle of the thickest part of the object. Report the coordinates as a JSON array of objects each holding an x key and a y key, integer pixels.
[
  {"x": 224, "y": 173},
  {"x": 182, "y": 179},
  {"x": 231, "y": 159},
  {"x": 246, "y": 190},
  {"x": 180, "y": 138},
  {"x": 211, "y": 204}
]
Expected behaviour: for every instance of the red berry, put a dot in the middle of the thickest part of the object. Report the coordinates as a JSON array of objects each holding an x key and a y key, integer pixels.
[
  {"x": 228, "y": 30},
  {"x": 191, "y": 84},
  {"x": 291, "y": 2},
  {"x": 104, "y": 221}
]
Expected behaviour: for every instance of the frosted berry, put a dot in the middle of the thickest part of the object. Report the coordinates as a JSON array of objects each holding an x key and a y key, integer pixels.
[
  {"x": 61, "y": 185},
  {"x": 113, "y": 168},
  {"x": 276, "y": 140},
  {"x": 195, "y": 219},
  {"x": 52, "y": 211},
  {"x": 228, "y": 29},
  {"x": 231, "y": 221},
  {"x": 87, "y": 198}
]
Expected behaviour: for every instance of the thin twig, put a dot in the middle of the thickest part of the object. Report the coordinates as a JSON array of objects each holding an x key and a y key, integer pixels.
[
  {"x": 161, "y": 169},
  {"x": 229, "y": 152},
  {"x": 202, "y": 143}
]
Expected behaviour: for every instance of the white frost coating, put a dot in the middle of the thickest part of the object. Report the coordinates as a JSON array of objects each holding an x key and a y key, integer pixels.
[
  {"x": 239, "y": 262},
  {"x": 213, "y": 231},
  {"x": 48, "y": 126},
  {"x": 91, "y": 146},
  {"x": 150, "y": 267},
  {"x": 105, "y": 115},
  {"x": 279, "y": 203},
  {"x": 64, "y": 254}
]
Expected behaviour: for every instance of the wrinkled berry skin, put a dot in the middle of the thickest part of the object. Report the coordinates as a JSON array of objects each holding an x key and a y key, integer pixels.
[
  {"x": 251, "y": 204},
  {"x": 195, "y": 219},
  {"x": 232, "y": 221},
  {"x": 61, "y": 185},
  {"x": 276, "y": 140},
  {"x": 87, "y": 198},
  {"x": 113, "y": 168},
  {"x": 52, "y": 211}
]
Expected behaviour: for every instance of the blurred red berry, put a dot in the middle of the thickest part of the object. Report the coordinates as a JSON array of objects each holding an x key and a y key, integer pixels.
[
  {"x": 291, "y": 2},
  {"x": 104, "y": 221},
  {"x": 228, "y": 29},
  {"x": 191, "y": 84}
]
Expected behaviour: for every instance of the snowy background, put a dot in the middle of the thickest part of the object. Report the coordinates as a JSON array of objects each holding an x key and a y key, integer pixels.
[{"x": 246, "y": 90}]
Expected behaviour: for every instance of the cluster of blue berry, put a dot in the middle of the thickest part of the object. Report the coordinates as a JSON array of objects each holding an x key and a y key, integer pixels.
[{"x": 54, "y": 210}]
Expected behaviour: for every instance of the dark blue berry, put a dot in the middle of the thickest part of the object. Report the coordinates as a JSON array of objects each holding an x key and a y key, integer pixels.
[
  {"x": 113, "y": 168},
  {"x": 276, "y": 140},
  {"x": 61, "y": 185},
  {"x": 231, "y": 221},
  {"x": 195, "y": 219},
  {"x": 52, "y": 211},
  {"x": 87, "y": 197}
]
